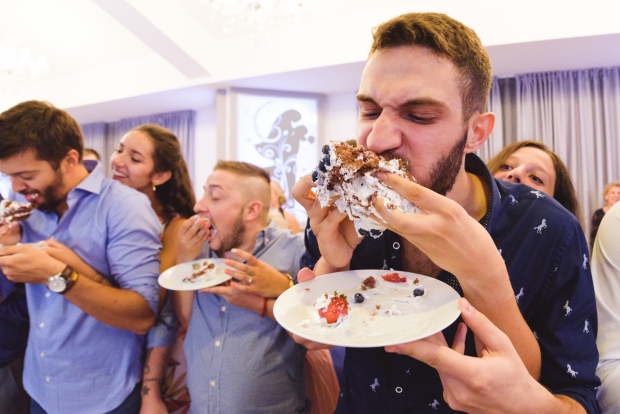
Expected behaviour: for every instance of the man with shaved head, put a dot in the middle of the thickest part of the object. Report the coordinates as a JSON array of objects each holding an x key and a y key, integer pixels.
[{"x": 238, "y": 357}]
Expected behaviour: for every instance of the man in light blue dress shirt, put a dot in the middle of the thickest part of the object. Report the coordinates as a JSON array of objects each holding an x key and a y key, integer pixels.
[
  {"x": 86, "y": 337},
  {"x": 238, "y": 358}
]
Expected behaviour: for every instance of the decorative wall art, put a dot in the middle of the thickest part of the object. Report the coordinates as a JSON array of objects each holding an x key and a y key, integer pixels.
[{"x": 278, "y": 133}]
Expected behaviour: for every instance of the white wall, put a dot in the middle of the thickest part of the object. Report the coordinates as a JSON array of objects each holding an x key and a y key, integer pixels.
[
  {"x": 339, "y": 118},
  {"x": 205, "y": 148}
]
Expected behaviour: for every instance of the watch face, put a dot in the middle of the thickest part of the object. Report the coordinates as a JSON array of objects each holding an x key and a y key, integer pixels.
[{"x": 56, "y": 284}]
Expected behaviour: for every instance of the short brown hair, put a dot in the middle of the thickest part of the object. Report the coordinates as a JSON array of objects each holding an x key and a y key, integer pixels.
[
  {"x": 563, "y": 191},
  {"x": 252, "y": 192},
  {"x": 37, "y": 125},
  {"x": 448, "y": 38}
]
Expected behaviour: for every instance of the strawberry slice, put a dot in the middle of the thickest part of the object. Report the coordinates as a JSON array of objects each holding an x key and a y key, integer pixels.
[
  {"x": 337, "y": 307},
  {"x": 394, "y": 278}
]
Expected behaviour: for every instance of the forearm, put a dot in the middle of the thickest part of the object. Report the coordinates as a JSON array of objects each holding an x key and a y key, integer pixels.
[
  {"x": 540, "y": 400},
  {"x": 182, "y": 304},
  {"x": 153, "y": 372},
  {"x": 500, "y": 306},
  {"x": 261, "y": 305},
  {"x": 120, "y": 308}
]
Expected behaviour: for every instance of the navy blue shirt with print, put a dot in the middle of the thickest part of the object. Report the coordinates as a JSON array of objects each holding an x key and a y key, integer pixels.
[{"x": 547, "y": 259}]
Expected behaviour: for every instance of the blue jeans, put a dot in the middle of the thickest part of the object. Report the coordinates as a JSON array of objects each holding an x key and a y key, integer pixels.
[{"x": 131, "y": 405}]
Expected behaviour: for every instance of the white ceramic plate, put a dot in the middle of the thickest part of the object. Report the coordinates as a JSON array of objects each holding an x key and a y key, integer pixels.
[
  {"x": 174, "y": 278},
  {"x": 400, "y": 317}
]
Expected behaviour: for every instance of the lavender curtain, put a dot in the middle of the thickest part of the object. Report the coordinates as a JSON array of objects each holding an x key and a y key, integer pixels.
[
  {"x": 575, "y": 113},
  {"x": 105, "y": 136}
]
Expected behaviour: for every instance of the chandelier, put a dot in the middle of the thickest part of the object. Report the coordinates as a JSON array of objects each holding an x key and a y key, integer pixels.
[
  {"x": 19, "y": 70},
  {"x": 256, "y": 18}
]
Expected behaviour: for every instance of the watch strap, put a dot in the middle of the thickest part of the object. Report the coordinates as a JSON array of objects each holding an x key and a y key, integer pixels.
[{"x": 70, "y": 276}]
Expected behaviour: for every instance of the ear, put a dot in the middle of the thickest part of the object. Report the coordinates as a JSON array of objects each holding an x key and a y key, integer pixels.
[
  {"x": 252, "y": 210},
  {"x": 71, "y": 160},
  {"x": 479, "y": 129},
  {"x": 161, "y": 177}
]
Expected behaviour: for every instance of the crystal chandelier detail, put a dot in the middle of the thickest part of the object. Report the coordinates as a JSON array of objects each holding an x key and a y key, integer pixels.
[
  {"x": 256, "y": 18},
  {"x": 19, "y": 69}
]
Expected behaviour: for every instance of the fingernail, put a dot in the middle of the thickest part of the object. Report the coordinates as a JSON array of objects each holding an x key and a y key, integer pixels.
[
  {"x": 233, "y": 250},
  {"x": 381, "y": 175}
]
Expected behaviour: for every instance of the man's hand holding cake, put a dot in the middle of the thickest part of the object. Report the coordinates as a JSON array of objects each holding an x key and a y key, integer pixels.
[
  {"x": 345, "y": 178},
  {"x": 10, "y": 213},
  {"x": 345, "y": 181}
]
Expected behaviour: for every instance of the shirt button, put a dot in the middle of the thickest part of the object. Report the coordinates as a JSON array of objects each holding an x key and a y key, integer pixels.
[
  {"x": 212, "y": 383},
  {"x": 42, "y": 354},
  {"x": 47, "y": 379},
  {"x": 223, "y": 308},
  {"x": 47, "y": 294},
  {"x": 217, "y": 343},
  {"x": 42, "y": 325}
]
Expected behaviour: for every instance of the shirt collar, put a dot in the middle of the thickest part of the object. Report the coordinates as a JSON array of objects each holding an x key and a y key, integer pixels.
[
  {"x": 94, "y": 180},
  {"x": 475, "y": 165}
]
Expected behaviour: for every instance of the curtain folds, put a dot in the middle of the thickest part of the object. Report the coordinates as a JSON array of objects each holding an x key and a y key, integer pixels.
[
  {"x": 575, "y": 113},
  {"x": 105, "y": 136}
]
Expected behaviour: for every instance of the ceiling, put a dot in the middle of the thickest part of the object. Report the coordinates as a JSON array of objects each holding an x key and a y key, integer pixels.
[{"x": 114, "y": 58}]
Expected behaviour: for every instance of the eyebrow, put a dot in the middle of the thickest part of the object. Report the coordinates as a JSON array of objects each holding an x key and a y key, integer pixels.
[
  {"x": 138, "y": 153},
  {"x": 212, "y": 186},
  {"x": 122, "y": 146},
  {"x": 21, "y": 173},
  {"x": 412, "y": 102}
]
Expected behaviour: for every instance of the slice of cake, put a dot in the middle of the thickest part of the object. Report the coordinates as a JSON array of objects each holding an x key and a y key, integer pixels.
[
  {"x": 11, "y": 211},
  {"x": 200, "y": 270},
  {"x": 344, "y": 178}
]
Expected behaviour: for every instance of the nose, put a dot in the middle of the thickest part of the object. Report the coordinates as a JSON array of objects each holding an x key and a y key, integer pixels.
[
  {"x": 116, "y": 159},
  {"x": 515, "y": 175},
  {"x": 18, "y": 184},
  {"x": 201, "y": 207},
  {"x": 383, "y": 135}
]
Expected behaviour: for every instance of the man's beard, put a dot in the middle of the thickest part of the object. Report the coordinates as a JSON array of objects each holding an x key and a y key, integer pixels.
[
  {"x": 235, "y": 238},
  {"x": 48, "y": 194},
  {"x": 444, "y": 172}
]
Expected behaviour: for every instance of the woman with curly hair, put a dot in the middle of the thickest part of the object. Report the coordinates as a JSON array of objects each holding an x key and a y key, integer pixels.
[{"x": 148, "y": 158}]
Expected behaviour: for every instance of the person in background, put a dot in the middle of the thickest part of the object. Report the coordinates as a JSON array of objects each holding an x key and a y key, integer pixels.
[
  {"x": 533, "y": 164},
  {"x": 148, "y": 159},
  {"x": 515, "y": 255},
  {"x": 606, "y": 276},
  {"x": 13, "y": 338},
  {"x": 91, "y": 154},
  {"x": 85, "y": 342},
  {"x": 239, "y": 358},
  {"x": 611, "y": 195},
  {"x": 321, "y": 378},
  {"x": 282, "y": 218}
]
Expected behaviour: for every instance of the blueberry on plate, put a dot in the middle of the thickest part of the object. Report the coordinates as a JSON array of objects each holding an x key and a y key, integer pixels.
[
  {"x": 327, "y": 160},
  {"x": 325, "y": 149},
  {"x": 315, "y": 175},
  {"x": 418, "y": 290},
  {"x": 362, "y": 232},
  {"x": 359, "y": 298},
  {"x": 322, "y": 166}
]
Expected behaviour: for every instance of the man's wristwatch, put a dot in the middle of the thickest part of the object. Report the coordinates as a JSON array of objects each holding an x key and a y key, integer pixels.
[{"x": 63, "y": 281}]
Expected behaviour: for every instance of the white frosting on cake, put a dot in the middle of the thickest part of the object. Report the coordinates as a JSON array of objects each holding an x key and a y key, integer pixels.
[
  {"x": 14, "y": 211},
  {"x": 354, "y": 190}
]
